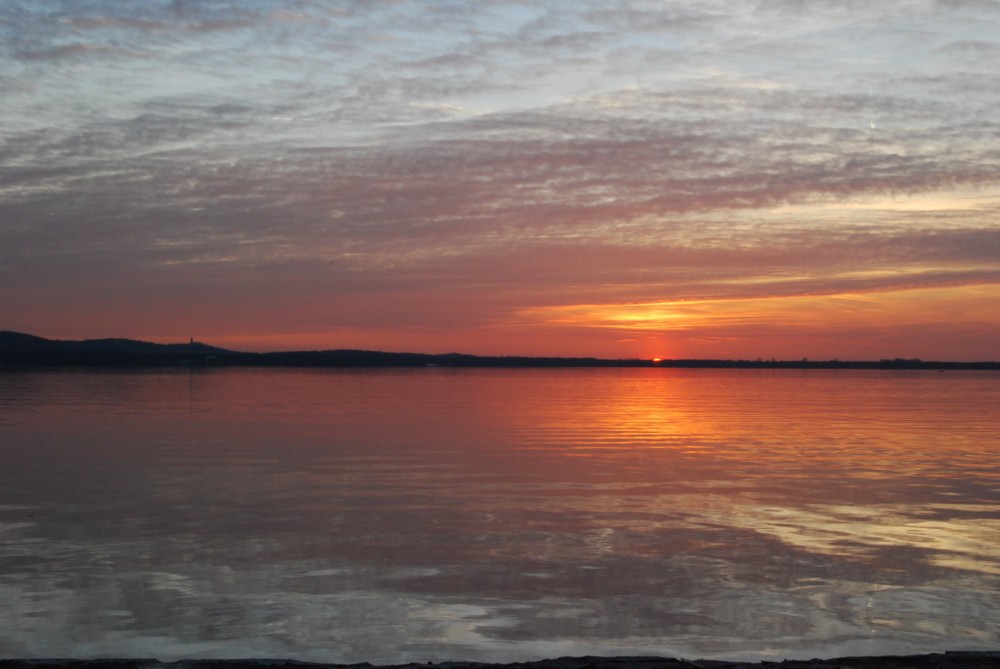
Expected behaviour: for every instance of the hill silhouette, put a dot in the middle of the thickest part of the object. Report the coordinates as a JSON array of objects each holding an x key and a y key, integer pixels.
[
  {"x": 18, "y": 347},
  {"x": 26, "y": 350}
]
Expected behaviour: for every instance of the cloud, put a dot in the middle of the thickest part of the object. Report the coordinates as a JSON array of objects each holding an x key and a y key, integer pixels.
[
  {"x": 524, "y": 152},
  {"x": 78, "y": 52}
]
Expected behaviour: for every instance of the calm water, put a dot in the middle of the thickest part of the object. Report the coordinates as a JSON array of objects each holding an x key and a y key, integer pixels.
[{"x": 498, "y": 514}]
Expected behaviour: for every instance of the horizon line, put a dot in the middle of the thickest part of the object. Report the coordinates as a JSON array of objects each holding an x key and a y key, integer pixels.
[{"x": 657, "y": 361}]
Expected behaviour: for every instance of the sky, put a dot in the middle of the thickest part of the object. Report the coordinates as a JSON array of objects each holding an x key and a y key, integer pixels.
[{"x": 618, "y": 178}]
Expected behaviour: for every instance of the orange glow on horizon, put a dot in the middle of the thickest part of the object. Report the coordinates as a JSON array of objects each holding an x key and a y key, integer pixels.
[
  {"x": 795, "y": 311},
  {"x": 782, "y": 322},
  {"x": 951, "y": 323}
]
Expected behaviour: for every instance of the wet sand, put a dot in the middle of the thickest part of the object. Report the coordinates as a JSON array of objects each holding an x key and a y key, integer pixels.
[{"x": 948, "y": 660}]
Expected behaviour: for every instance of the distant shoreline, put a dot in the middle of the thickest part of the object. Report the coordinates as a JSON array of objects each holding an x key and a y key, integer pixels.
[
  {"x": 23, "y": 350},
  {"x": 946, "y": 660}
]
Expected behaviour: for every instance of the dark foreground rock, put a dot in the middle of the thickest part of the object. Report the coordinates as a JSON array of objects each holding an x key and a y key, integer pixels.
[{"x": 948, "y": 660}]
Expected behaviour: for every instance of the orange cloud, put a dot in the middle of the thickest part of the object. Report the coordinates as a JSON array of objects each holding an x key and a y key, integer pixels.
[{"x": 776, "y": 324}]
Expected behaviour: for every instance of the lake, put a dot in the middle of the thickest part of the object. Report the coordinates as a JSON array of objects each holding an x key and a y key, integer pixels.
[{"x": 498, "y": 514}]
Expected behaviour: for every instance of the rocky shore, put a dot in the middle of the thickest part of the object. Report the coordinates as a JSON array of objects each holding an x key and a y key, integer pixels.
[{"x": 948, "y": 660}]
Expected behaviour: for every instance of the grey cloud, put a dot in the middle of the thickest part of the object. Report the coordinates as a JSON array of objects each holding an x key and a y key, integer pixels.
[
  {"x": 100, "y": 146},
  {"x": 666, "y": 18},
  {"x": 472, "y": 192},
  {"x": 80, "y": 51},
  {"x": 507, "y": 164},
  {"x": 974, "y": 48},
  {"x": 101, "y": 21},
  {"x": 979, "y": 5},
  {"x": 50, "y": 23}
]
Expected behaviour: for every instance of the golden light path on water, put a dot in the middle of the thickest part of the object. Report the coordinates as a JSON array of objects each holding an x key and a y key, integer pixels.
[{"x": 866, "y": 438}]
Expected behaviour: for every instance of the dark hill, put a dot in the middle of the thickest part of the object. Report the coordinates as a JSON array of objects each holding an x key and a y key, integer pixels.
[
  {"x": 21, "y": 349},
  {"x": 18, "y": 341},
  {"x": 947, "y": 660}
]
